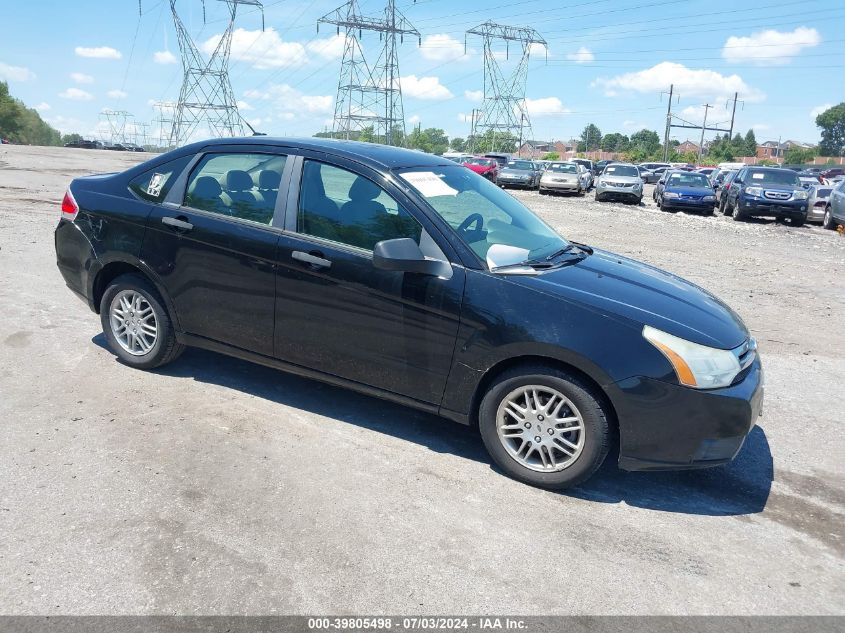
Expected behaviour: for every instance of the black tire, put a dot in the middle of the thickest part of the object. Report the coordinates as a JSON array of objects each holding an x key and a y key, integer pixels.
[
  {"x": 597, "y": 434},
  {"x": 797, "y": 222},
  {"x": 722, "y": 207},
  {"x": 598, "y": 198},
  {"x": 729, "y": 210},
  {"x": 738, "y": 215},
  {"x": 828, "y": 222},
  {"x": 165, "y": 349},
  {"x": 663, "y": 207}
]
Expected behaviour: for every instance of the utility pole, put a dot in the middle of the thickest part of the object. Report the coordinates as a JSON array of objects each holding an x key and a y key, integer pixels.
[
  {"x": 707, "y": 107},
  {"x": 733, "y": 113},
  {"x": 668, "y": 124},
  {"x": 503, "y": 109},
  {"x": 370, "y": 96}
]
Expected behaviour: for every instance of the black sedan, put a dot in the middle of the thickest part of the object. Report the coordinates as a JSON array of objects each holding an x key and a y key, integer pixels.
[{"x": 410, "y": 278}]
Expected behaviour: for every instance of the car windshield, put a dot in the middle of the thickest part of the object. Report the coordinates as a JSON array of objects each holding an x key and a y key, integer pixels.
[
  {"x": 563, "y": 168},
  {"x": 521, "y": 164},
  {"x": 622, "y": 170},
  {"x": 486, "y": 162},
  {"x": 688, "y": 180},
  {"x": 784, "y": 177},
  {"x": 494, "y": 224}
]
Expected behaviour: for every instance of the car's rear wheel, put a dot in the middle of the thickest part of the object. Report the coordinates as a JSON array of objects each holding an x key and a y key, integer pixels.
[
  {"x": 136, "y": 324},
  {"x": 828, "y": 222},
  {"x": 544, "y": 427}
]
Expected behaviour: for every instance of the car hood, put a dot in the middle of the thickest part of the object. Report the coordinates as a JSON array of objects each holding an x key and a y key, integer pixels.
[
  {"x": 689, "y": 191},
  {"x": 479, "y": 169},
  {"x": 646, "y": 295},
  {"x": 516, "y": 172},
  {"x": 612, "y": 178}
]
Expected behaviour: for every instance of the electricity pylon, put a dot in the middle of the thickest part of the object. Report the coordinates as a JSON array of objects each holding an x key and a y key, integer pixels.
[
  {"x": 503, "y": 110},
  {"x": 163, "y": 122},
  {"x": 116, "y": 122},
  {"x": 370, "y": 96},
  {"x": 206, "y": 95}
]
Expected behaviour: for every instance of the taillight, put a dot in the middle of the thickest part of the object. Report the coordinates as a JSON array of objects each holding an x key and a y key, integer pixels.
[{"x": 69, "y": 206}]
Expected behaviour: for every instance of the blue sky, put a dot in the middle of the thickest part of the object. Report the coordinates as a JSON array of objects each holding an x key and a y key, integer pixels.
[{"x": 608, "y": 61}]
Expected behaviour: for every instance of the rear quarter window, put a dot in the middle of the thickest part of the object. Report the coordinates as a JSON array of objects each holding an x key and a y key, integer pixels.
[{"x": 154, "y": 184}]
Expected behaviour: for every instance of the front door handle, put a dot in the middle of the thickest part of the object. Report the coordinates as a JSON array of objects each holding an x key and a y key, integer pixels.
[
  {"x": 308, "y": 258},
  {"x": 176, "y": 223}
]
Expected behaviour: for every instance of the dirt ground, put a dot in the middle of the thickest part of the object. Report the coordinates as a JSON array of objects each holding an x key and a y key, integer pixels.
[{"x": 215, "y": 486}]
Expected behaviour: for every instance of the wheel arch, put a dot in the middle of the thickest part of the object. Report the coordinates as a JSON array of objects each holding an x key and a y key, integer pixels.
[
  {"x": 533, "y": 360},
  {"x": 114, "y": 269}
]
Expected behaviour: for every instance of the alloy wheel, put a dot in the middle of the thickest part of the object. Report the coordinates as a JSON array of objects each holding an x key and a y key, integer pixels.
[
  {"x": 540, "y": 428},
  {"x": 133, "y": 322}
]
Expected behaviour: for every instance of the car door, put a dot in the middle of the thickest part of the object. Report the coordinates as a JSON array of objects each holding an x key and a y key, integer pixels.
[
  {"x": 837, "y": 201},
  {"x": 337, "y": 313},
  {"x": 213, "y": 246}
]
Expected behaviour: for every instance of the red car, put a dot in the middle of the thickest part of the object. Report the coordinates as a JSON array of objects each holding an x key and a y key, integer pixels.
[
  {"x": 487, "y": 167},
  {"x": 833, "y": 172}
]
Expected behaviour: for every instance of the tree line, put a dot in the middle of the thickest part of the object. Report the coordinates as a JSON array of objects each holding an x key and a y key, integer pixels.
[{"x": 20, "y": 124}]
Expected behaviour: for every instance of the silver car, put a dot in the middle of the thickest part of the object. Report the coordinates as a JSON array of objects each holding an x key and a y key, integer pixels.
[
  {"x": 570, "y": 177},
  {"x": 817, "y": 202},
  {"x": 519, "y": 173},
  {"x": 834, "y": 214},
  {"x": 620, "y": 181}
]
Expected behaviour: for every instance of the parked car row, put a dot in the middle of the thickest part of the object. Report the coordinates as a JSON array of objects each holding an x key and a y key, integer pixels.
[{"x": 117, "y": 147}]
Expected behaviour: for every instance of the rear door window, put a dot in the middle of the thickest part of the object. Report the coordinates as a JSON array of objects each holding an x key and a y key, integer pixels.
[
  {"x": 154, "y": 184},
  {"x": 237, "y": 184}
]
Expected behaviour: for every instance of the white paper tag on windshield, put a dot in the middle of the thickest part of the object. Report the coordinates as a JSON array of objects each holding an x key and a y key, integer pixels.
[
  {"x": 758, "y": 176},
  {"x": 429, "y": 184}
]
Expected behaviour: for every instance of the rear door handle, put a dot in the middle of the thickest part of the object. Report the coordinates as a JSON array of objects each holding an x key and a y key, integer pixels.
[
  {"x": 176, "y": 223},
  {"x": 308, "y": 258}
]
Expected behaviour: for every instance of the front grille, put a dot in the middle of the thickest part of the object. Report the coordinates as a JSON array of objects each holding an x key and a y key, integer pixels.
[{"x": 777, "y": 195}]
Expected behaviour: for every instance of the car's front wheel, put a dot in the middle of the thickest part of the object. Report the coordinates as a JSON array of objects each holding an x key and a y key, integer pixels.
[
  {"x": 544, "y": 427},
  {"x": 136, "y": 324}
]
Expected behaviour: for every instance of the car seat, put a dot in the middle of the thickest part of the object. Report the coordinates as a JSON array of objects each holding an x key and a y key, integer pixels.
[{"x": 207, "y": 194}]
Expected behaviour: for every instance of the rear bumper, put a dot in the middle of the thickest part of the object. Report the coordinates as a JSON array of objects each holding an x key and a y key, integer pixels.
[
  {"x": 670, "y": 427},
  {"x": 815, "y": 214},
  {"x": 76, "y": 260}
]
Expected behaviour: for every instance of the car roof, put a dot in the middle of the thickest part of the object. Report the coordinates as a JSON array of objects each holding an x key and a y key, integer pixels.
[{"x": 374, "y": 154}]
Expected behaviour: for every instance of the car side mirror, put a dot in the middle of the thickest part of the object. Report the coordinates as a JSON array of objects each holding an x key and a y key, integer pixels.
[{"x": 404, "y": 255}]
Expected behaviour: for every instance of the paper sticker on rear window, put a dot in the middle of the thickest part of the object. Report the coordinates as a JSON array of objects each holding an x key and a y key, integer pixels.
[
  {"x": 610, "y": 170},
  {"x": 429, "y": 184},
  {"x": 156, "y": 183},
  {"x": 758, "y": 176}
]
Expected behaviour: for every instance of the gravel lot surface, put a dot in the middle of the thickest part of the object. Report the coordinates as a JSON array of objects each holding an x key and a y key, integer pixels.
[{"x": 215, "y": 486}]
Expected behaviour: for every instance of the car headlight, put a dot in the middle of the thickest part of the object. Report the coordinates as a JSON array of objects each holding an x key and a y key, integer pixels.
[
  {"x": 754, "y": 191},
  {"x": 710, "y": 198},
  {"x": 695, "y": 365},
  {"x": 799, "y": 195},
  {"x": 669, "y": 194}
]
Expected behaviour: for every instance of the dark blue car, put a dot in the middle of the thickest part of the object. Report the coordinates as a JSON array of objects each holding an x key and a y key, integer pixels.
[{"x": 690, "y": 191}]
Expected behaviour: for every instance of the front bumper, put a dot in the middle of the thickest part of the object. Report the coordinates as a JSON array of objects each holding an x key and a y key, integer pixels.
[
  {"x": 514, "y": 182},
  {"x": 772, "y": 208},
  {"x": 682, "y": 203},
  {"x": 563, "y": 185},
  {"x": 619, "y": 193},
  {"x": 670, "y": 427}
]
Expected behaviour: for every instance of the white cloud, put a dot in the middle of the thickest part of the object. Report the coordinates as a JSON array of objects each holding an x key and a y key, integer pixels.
[
  {"x": 690, "y": 82},
  {"x": 116, "y": 94},
  {"x": 290, "y": 103},
  {"x": 819, "y": 109},
  {"x": 428, "y": 88},
  {"x": 414, "y": 119},
  {"x": 630, "y": 124},
  {"x": 464, "y": 118},
  {"x": 76, "y": 94},
  {"x": 537, "y": 50},
  {"x": 329, "y": 48},
  {"x": 545, "y": 106},
  {"x": 262, "y": 49},
  {"x": 474, "y": 95},
  {"x": 164, "y": 57},
  {"x": 243, "y": 105},
  {"x": 761, "y": 127},
  {"x": 65, "y": 125},
  {"x": 15, "y": 73},
  {"x": 82, "y": 78},
  {"x": 770, "y": 47},
  {"x": 717, "y": 114},
  {"x": 98, "y": 52},
  {"x": 441, "y": 48},
  {"x": 42, "y": 107},
  {"x": 581, "y": 56}
]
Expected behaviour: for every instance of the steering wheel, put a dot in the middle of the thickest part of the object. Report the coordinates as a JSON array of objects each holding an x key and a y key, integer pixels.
[{"x": 473, "y": 218}]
